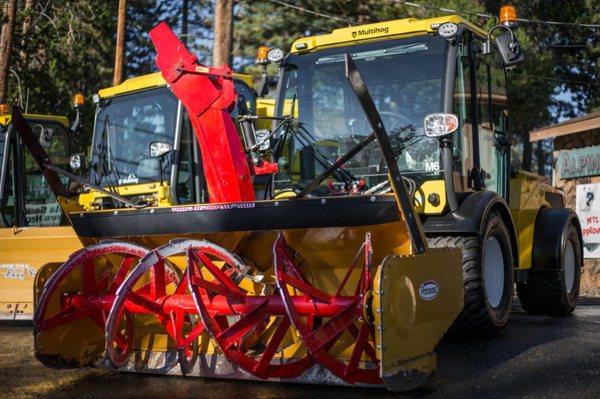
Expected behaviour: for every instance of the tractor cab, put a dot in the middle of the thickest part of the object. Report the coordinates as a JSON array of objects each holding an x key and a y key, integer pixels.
[
  {"x": 25, "y": 198},
  {"x": 422, "y": 75},
  {"x": 143, "y": 146}
]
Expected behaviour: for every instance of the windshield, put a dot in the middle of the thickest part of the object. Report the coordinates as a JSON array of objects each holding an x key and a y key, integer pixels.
[
  {"x": 405, "y": 79},
  {"x": 125, "y": 127}
]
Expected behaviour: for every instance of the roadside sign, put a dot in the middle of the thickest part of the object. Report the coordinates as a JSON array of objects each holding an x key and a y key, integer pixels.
[{"x": 588, "y": 210}]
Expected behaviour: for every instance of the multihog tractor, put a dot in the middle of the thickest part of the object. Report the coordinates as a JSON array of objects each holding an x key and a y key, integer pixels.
[{"x": 379, "y": 211}]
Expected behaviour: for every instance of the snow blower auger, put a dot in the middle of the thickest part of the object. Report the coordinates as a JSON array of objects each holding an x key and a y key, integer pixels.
[{"x": 330, "y": 283}]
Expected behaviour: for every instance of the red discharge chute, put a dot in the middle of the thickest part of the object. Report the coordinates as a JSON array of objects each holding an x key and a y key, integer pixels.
[{"x": 207, "y": 93}]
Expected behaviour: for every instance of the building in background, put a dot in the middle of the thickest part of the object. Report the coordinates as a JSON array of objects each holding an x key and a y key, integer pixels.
[{"x": 576, "y": 170}]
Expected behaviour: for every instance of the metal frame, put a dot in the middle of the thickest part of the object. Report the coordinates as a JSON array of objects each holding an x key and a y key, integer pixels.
[{"x": 4, "y": 171}]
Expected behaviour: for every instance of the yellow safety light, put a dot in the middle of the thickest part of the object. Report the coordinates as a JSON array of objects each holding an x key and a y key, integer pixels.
[
  {"x": 78, "y": 100},
  {"x": 261, "y": 55},
  {"x": 4, "y": 109},
  {"x": 508, "y": 15}
]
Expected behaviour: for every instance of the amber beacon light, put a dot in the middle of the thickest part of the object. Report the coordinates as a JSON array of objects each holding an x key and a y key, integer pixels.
[
  {"x": 78, "y": 100},
  {"x": 508, "y": 15},
  {"x": 261, "y": 55}
]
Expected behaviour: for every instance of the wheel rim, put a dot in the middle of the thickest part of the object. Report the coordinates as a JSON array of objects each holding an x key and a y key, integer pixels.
[
  {"x": 493, "y": 272},
  {"x": 569, "y": 268}
]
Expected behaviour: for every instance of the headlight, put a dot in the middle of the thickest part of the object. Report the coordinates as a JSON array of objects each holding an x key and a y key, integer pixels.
[
  {"x": 275, "y": 55},
  {"x": 437, "y": 125},
  {"x": 76, "y": 161}
]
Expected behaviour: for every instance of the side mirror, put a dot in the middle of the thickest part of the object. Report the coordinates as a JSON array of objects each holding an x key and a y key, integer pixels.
[
  {"x": 45, "y": 135},
  {"x": 509, "y": 49},
  {"x": 159, "y": 149},
  {"x": 506, "y": 43}
]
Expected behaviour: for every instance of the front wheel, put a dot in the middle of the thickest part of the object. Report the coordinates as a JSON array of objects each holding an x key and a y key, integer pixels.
[
  {"x": 487, "y": 263},
  {"x": 555, "y": 292}
]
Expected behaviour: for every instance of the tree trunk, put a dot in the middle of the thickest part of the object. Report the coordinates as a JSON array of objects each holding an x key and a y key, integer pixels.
[
  {"x": 223, "y": 32},
  {"x": 120, "y": 47},
  {"x": 26, "y": 28},
  {"x": 6, "y": 41}
]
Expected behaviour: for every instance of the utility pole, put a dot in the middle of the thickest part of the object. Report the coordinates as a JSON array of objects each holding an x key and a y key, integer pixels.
[
  {"x": 223, "y": 32},
  {"x": 120, "y": 47},
  {"x": 6, "y": 41}
]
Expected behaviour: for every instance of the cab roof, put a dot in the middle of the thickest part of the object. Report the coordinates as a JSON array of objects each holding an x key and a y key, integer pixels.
[
  {"x": 63, "y": 120},
  {"x": 150, "y": 81},
  {"x": 379, "y": 31}
]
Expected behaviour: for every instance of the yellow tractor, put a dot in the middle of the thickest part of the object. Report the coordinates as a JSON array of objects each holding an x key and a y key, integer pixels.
[
  {"x": 33, "y": 229},
  {"x": 349, "y": 271},
  {"x": 129, "y": 118}
]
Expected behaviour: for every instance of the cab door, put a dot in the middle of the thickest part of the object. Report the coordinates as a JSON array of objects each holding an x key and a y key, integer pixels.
[
  {"x": 492, "y": 127},
  {"x": 34, "y": 230}
]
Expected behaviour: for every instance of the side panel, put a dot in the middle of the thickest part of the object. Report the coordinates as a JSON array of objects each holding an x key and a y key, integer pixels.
[
  {"x": 23, "y": 251},
  {"x": 528, "y": 194},
  {"x": 415, "y": 300}
]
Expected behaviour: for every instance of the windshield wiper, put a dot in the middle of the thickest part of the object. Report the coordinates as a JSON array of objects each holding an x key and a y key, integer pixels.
[
  {"x": 402, "y": 49},
  {"x": 106, "y": 164}
]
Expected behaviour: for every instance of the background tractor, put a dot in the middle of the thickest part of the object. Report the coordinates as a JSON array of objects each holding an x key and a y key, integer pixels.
[
  {"x": 327, "y": 250},
  {"x": 33, "y": 229},
  {"x": 143, "y": 147}
]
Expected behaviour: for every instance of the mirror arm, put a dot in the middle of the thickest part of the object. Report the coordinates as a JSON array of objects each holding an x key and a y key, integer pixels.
[
  {"x": 487, "y": 46},
  {"x": 76, "y": 126}
]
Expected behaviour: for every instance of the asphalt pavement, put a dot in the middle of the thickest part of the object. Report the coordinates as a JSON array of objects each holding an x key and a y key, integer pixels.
[{"x": 537, "y": 357}]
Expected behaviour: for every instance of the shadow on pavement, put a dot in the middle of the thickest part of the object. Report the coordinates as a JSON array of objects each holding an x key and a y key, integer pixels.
[{"x": 536, "y": 356}]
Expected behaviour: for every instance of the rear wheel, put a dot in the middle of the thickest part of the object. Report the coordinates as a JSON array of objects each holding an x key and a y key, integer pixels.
[
  {"x": 555, "y": 292},
  {"x": 487, "y": 264}
]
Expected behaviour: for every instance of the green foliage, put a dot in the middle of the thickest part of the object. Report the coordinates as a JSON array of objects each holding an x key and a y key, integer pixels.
[{"x": 71, "y": 47}]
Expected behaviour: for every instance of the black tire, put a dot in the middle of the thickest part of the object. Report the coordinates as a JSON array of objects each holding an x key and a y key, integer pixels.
[
  {"x": 478, "y": 318},
  {"x": 545, "y": 292}
]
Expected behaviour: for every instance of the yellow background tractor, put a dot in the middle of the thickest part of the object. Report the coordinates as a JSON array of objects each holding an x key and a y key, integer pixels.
[{"x": 34, "y": 230}]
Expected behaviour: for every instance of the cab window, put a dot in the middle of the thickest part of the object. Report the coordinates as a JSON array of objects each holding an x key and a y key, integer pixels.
[
  {"x": 492, "y": 107},
  {"x": 8, "y": 209},
  {"x": 41, "y": 206},
  {"x": 463, "y": 137}
]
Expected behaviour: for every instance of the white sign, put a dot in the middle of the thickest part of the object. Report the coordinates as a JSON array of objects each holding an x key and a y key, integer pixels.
[{"x": 588, "y": 210}]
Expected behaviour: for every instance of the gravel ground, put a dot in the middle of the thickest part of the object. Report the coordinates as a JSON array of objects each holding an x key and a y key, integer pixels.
[{"x": 536, "y": 357}]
